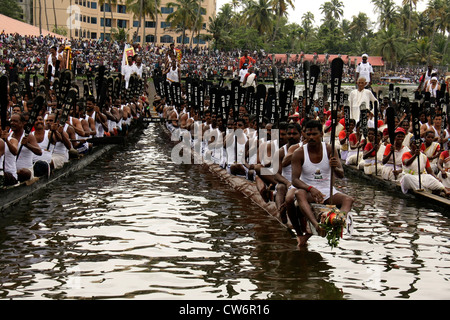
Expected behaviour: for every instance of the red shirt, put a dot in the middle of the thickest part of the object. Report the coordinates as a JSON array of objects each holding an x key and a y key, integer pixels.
[
  {"x": 408, "y": 155},
  {"x": 369, "y": 147},
  {"x": 246, "y": 59}
]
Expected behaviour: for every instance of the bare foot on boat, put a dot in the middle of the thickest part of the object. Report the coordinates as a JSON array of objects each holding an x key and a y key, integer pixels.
[
  {"x": 283, "y": 215},
  {"x": 302, "y": 241}
]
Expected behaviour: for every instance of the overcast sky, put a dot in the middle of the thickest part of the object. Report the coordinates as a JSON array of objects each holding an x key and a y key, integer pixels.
[{"x": 351, "y": 8}]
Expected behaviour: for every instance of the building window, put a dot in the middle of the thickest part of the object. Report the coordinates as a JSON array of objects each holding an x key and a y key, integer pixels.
[
  {"x": 106, "y": 6},
  {"x": 150, "y": 24},
  {"x": 107, "y": 24},
  {"x": 186, "y": 39},
  {"x": 121, "y": 8},
  {"x": 150, "y": 38},
  {"x": 165, "y": 24},
  {"x": 136, "y": 23},
  {"x": 102, "y": 37},
  {"x": 204, "y": 26},
  {"x": 166, "y": 39},
  {"x": 93, "y": 35},
  {"x": 94, "y": 20},
  {"x": 166, "y": 10},
  {"x": 197, "y": 41},
  {"x": 94, "y": 6},
  {"x": 121, "y": 23}
]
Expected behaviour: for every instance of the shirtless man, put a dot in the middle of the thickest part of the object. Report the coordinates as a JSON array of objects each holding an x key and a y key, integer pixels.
[
  {"x": 24, "y": 162},
  {"x": 312, "y": 166},
  {"x": 99, "y": 120},
  {"x": 284, "y": 176},
  {"x": 8, "y": 151},
  {"x": 60, "y": 154}
]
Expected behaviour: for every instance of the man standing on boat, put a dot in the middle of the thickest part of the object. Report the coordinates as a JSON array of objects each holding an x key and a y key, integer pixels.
[
  {"x": 312, "y": 167},
  {"x": 365, "y": 70},
  {"x": 358, "y": 96}
]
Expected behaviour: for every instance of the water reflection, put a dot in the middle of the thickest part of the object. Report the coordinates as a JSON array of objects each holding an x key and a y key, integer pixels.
[{"x": 135, "y": 226}]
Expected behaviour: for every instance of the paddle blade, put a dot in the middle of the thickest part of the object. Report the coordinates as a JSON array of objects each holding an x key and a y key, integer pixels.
[
  {"x": 415, "y": 119},
  {"x": 390, "y": 115},
  {"x": 3, "y": 100}
]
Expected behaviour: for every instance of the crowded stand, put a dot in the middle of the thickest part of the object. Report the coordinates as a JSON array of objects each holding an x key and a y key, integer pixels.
[{"x": 238, "y": 110}]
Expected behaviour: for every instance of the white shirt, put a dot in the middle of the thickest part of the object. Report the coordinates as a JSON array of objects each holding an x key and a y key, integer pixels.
[
  {"x": 364, "y": 70},
  {"x": 356, "y": 98},
  {"x": 127, "y": 71},
  {"x": 138, "y": 70},
  {"x": 242, "y": 74}
]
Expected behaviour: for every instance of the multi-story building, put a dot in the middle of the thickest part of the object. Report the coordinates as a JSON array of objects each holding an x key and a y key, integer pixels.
[{"x": 100, "y": 19}]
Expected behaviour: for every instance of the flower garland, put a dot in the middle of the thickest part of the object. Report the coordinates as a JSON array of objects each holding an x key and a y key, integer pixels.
[{"x": 333, "y": 224}]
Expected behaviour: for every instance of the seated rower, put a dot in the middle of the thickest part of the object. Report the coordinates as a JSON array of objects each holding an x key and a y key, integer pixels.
[
  {"x": 8, "y": 151},
  {"x": 370, "y": 153},
  {"x": 284, "y": 197},
  {"x": 410, "y": 179},
  {"x": 60, "y": 154},
  {"x": 444, "y": 169},
  {"x": 265, "y": 179},
  {"x": 312, "y": 166},
  {"x": 431, "y": 149},
  {"x": 24, "y": 160},
  {"x": 344, "y": 138},
  {"x": 394, "y": 171},
  {"x": 356, "y": 147},
  {"x": 41, "y": 163}
]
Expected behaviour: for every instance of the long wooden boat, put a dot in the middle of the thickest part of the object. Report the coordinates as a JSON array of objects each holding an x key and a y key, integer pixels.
[
  {"x": 439, "y": 203},
  {"x": 244, "y": 186},
  {"x": 10, "y": 196},
  {"x": 249, "y": 190}
]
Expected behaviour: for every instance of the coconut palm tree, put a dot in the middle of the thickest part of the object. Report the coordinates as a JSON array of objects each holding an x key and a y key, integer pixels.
[
  {"x": 387, "y": 12},
  {"x": 218, "y": 32},
  {"x": 280, "y": 8},
  {"x": 433, "y": 11},
  {"x": 410, "y": 4},
  {"x": 54, "y": 14},
  {"x": 259, "y": 14},
  {"x": 307, "y": 23},
  {"x": 102, "y": 3},
  {"x": 183, "y": 16},
  {"x": 198, "y": 23},
  {"x": 359, "y": 25},
  {"x": 389, "y": 44}
]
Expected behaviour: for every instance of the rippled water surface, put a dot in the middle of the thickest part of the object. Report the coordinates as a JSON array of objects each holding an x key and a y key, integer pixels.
[{"x": 136, "y": 226}]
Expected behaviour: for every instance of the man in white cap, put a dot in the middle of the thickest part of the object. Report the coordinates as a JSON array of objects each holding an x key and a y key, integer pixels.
[
  {"x": 433, "y": 86},
  {"x": 243, "y": 72},
  {"x": 365, "y": 70}
]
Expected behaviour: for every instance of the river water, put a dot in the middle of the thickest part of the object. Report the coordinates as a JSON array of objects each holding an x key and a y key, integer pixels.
[{"x": 136, "y": 226}]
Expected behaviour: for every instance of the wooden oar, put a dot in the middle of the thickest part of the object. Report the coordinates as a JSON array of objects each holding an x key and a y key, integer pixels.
[
  {"x": 277, "y": 99},
  {"x": 362, "y": 127},
  {"x": 375, "y": 110},
  {"x": 37, "y": 105},
  {"x": 390, "y": 117},
  {"x": 3, "y": 100},
  {"x": 416, "y": 133},
  {"x": 336, "y": 78}
]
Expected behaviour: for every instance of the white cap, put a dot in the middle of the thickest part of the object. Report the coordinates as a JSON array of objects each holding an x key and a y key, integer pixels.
[
  {"x": 434, "y": 78},
  {"x": 365, "y": 55}
]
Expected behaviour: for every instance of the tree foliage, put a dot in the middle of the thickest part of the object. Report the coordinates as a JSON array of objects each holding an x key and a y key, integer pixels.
[
  {"x": 400, "y": 34},
  {"x": 11, "y": 9}
]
